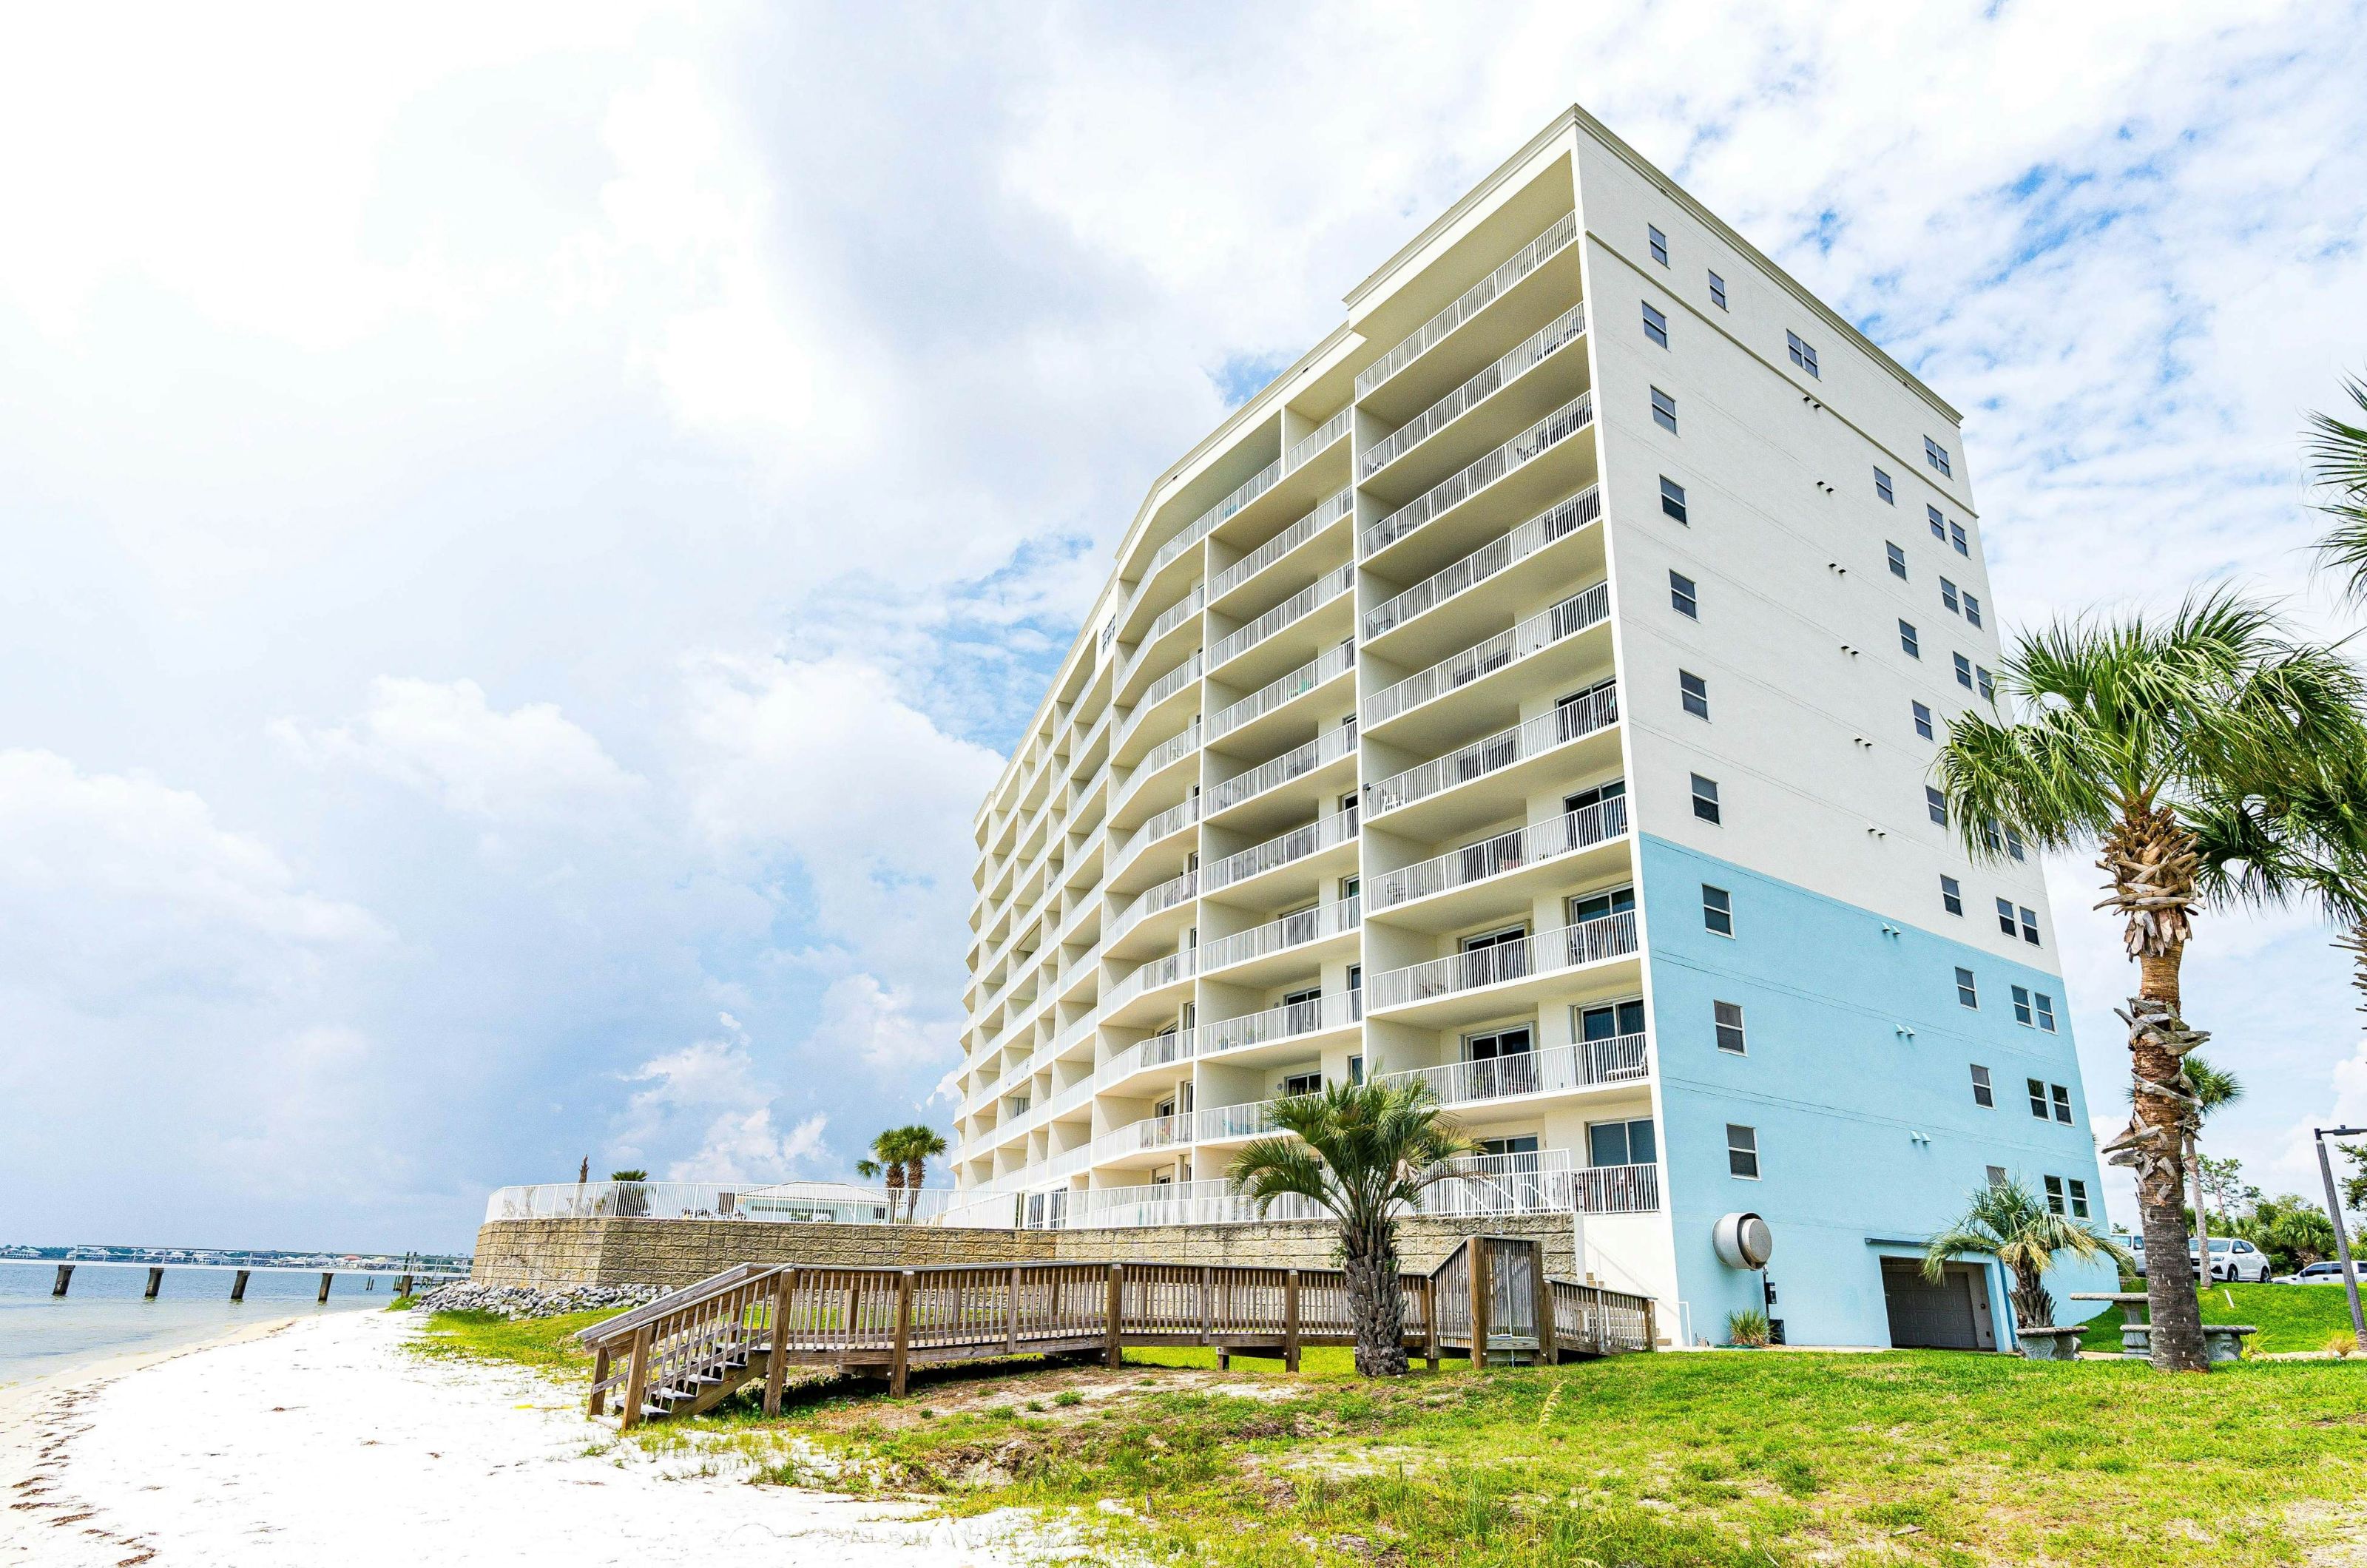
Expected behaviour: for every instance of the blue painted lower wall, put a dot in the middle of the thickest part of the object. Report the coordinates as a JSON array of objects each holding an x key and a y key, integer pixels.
[{"x": 1857, "y": 1083}]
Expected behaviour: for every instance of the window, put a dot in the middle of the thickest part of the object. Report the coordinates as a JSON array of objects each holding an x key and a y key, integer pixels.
[
  {"x": 1897, "y": 559},
  {"x": 1717, "y": 909},
  {"x": 1356, "y": 1069},
  {"x": 1302, "y": 1083},
  {"x": 1524, "y": 1146},
  {"x": 1620, "y": 1143},
  {"x": 2054, "y": 1193},
  {"x": 1743, "y": 1151},
  {"x": 1966, "y": 996},
  {"x": 1952, "y": 896},
  {"x": 2080, "y": 1199},
  {"x": 2021, "y": 1004},
  {"x": 2062, "y": 1104},
  {"x": 1986, "y": 682},
  {"x": 1802, "y": 355},
  {"x": 1948, "y": 595},
  {"x": 1609, "y": 1020},
  {"x": 1998, "y": 1178},
  {"x": 1956, "y": 539},
  {"x": 1672, "y": 498},
  {"x": 1939, "y": 524},
  {"x": 1922, "y": 719},
  {"x": 1705, "y": 799},
  {"x": 1908, "y": 641},
  {"x": 1681, "y": 596},
  {"x": 2013, "y": 843},
  {"x": 1726, "y": 1017},
  {"x": 2045, "y": 1011},
  {"x": 2005, "y": 916},
  {"x": 1972, "y": 609},
  {"x": 1937, "y": 456},
  {"x": 1936, "y": 804},
  {"x": 1882, "y": 487},
  {"x": 1717, "y": 291},
  {"x": 1660, "y": 243},
  {"x": 2037, "y": 1091},
  {"x": 1656, "y": 325},
  {"x": 1693, "y": 692},
  {"x": 2029, "y": 926},
  {"x": 1984, "y": 1094},
  {"x": 1664, "y": 410},
  {"x": 1964, "y": 672}
]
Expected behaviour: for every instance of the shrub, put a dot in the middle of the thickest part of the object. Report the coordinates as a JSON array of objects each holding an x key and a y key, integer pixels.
[{"x": 1748, "y": 1327}]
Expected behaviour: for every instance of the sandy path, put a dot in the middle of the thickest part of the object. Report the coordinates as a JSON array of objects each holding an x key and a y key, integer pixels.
[{"x": 325, "y": 1441}]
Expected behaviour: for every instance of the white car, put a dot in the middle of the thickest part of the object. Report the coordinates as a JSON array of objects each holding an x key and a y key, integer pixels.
[
  {"x": 2328, "y": 1272},
  {"x": 2232, "y": 1259}
]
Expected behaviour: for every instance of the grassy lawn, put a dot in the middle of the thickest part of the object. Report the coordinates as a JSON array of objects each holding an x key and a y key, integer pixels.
[
  {"x": 2289, "y": 1317},
  {"x": 1721, "y": 1458}
]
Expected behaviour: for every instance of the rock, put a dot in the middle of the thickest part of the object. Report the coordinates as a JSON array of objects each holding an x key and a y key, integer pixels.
[{"x": 516, "y": 1302}]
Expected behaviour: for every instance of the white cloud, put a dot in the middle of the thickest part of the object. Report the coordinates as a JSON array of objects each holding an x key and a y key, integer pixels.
[
  {"x": 861, "y": 1016},
  {"x": 710, "y": 1100}
]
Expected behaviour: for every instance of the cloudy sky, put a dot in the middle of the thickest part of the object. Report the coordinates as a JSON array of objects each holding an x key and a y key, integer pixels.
[{"x": 526, "y": 533}]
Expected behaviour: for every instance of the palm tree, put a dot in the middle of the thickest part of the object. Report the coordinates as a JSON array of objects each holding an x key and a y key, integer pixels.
[
  {"x": 886, "y": 1164},
  {"x": 2213, "y": 1090},
  {"x": 2122, "y": 734},
  {"x": 1365, "y": 1152},
  {"x": 2007, "y": 1221},
  {"x": 918, "y": 1143},
  {"x": 2338, "y": 462}
]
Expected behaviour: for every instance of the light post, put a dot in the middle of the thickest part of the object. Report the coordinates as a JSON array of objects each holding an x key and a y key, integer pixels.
[{"x": 2341, "y": 1241}]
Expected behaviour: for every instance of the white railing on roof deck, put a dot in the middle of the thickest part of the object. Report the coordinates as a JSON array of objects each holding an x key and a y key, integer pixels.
[
  {"x": 1177, "y": 965},
  {"x": 1588, "y": 607},
  {"x": 1308, "y": 446},
  {"x": 1558, "y": 947},
  {"x": 1327, "y": 512},
  {"x": 1523, "y": 261},
  {"x": 789, "y": 1201},
  {"x": 1556, "y": 522},
  {"x": 1153, "y": 900},
  {"x": 1594, "y": 711},
  {"x": 1312, "y": 838},
  {"x": 1526, "y": 448},
  {"x": 1157, "y": 1051},
  {"x": 1277, "y": 936},
  {"x": 1580, "y": 829},
  {"x": 1329, "y": 665},
  {"x": 1284, "y": 1022},
  {"x": 1297, "y": 607},
  {"x": 1298, "y": 761},
  {"x": 1175, "y": 818},
  {"x": 1199, "y": 528},
  {"x": 1532, "y": 352}
]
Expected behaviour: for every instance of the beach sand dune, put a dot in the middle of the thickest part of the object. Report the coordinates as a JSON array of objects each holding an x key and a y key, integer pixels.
[{"x": 325, "y": 1441}]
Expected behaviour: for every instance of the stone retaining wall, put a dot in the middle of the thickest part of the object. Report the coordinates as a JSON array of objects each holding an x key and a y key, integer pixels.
[{"x": 673, "y": 1253}]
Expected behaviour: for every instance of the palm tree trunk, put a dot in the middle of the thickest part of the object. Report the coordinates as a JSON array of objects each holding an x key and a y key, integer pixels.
[
  {"x": 915, "y": 1174},
  {"x": 2034, "y": 1307},
  {"x": 894, "y": 1177},
  {"x": 1374, "y": 1306}
]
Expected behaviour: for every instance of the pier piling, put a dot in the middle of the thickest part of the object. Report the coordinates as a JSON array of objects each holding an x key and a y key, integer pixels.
[
  {"x": 325, "y": 1277},
  {"x": 155, "y": 1280},
  {"x": 65, "y": 1277},
  {"x": 238, "y": 1286}
]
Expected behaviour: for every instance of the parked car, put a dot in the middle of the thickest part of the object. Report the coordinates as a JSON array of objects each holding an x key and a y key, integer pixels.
[
  {"x": 2327, "y": 1273},
  {"x": 2232, "y": 1259}
]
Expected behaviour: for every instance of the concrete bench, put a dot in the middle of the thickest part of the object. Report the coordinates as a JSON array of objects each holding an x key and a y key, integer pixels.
[
  {"x": 2057, "y": 1344},
  {"x": 2220, "y": 1341}
]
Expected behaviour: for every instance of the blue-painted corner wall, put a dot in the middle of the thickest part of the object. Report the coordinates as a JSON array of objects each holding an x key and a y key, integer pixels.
[{"x": 1857, "y": 1081}]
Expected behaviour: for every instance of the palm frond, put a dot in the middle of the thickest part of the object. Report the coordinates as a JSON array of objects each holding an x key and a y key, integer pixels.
[{"x": 2338, "y": 463}]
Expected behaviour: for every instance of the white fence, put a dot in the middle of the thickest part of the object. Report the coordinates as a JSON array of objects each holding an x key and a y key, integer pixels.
[
  {"x": 1569, "y": 721},
  {"x": 1549, "y": 840},
  {"x": 1583, "y": 1065},
  {"x": 1561, "y": 947},
  {"x": 1331, "y": 664},
  {"x": 1561, "y": 330},
  {"x": 790, "y": 1202},
  {"x": 1523, "y": 540},
  {"x": 1299, "y": 844},
  {"x": 1520, "y": 451},
  {"x": 1523, "y": 261},
  {"x": 1587, "y": 607}
]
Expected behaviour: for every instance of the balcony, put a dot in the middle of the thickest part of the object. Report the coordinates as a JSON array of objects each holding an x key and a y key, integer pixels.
[
  {"x": 1170, "y": 895},
  {"x": 1321, "y": 670},
  {"x": 1558, "y": 1069},
  {"x": 1555, "y": 238},
  {"x": 1419, "y": 517},
  {"x": 1200, "y": 527},
  {"x": 1166, "y": 825},
  {"x": 1175, "y": 748},
  {"x": 1505, "y": 974},
  {"x": 1178, "y": 616},
  {"x": 1168, "y": 685},
  {"x": 1146, "y": 980},
  {"x": 1313, "y": 838},
  {"x": 1159, "y": 1050},
  {"x": 1293, "y": 1023},
  {"x": 1551, "y": 527},
  {"x": 1493, "y": 861},
  {"x": 1332, "y": 586},
  {"x": 1586, "y": 608},
  {"x": 1510, "y": 758},
  {"x": 1288, "y": 935},
  {"x": 1304, "y": 450},
  {"x": 1502, "y": 388},
  {"x": 1335, "y": 744},
  {"x": 1327, "y": 514}
]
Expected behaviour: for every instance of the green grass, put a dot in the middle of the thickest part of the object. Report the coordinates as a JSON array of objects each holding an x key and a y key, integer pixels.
[
  {"x": 1636, "y": 1463},
  {"x": 2289, "y": 1317},
  {"x": 547, "y": 1344}
]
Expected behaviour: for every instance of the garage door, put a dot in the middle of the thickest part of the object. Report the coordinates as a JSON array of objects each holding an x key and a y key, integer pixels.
[{"x": 1947, "y": 1313}]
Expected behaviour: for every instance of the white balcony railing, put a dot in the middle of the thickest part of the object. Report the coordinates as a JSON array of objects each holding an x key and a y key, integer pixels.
[
  {"x": 1174, "y": 820},
  {"x": 1172, "y": 750},
  {"x": 1279, "y": 936},
  {"x": 1326, "y": 513},
  {"x": 1313, "y": 837},
  {"x": 1284, "y": 1022},
  {"x": 1304, "y": 449},
  {"x": 1532, "y": 352},
  {"x": 1151, "y": 1132},
  {"x": 1200, "y": 527},
  {"x": 1297, "y": 607},
  {"x": 1329, "y": 665},
  {"x": 1253, "y": 1120},
  {"x": 1152, "y": 901},
  {"x": 1587, "y": 607},
  {"x": 1327, "y": 748},
  {"x": 1166, "y": 686},
  {"x": 1580, "y": 829},
  {"x": 1157, "y": 1051},
  {"x": 1596, "y": 710},
  {"x": 1174, "y": 616},
  {"x": 1525, "y": 261},
  {"x": 1558, "y": 522},
  {"x": 1558, "y": 947},
  {"x": 1150, "y": 976},
  {"x": 1584, "y": 1065},
  {"x": 1525, "y": 448}
]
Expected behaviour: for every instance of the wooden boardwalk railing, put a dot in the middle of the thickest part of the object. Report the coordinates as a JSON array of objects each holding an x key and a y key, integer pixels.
[{"x": 689, "y": 1351}]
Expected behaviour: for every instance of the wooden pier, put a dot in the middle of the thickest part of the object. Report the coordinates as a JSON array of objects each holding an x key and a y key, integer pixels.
[
  {"x": 1490, "y": 1300},
  {"x": 403, "y": 1278}
]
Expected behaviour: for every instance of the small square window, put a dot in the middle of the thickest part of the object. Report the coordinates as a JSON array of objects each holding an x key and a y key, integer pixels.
[
  {"x": 1984, "y": 1094},
  {"x": 1664, "y": 410},
  {"x": 1964, "y": 672},
  {"x": 1908, "y": 643},
  {"x": 1948, "y": 595},
  {"x": 1956, "y": 539},
  {"x": 1743, "y": 1151},
  {"x": 1936, "y": 804},
  {"x": 1706, "y": 798},
  {"x": 1972, "y": 609},
  {"x": 1986, "y": 682},
  {"x": 1726, "y": 1017},
  {"x": 1656, "y": 325},
  {"x": 1672, "y": 498},
  {"x": 2054, "y": 1193},
  {"x": 2063, "y": 1104},
  {"x": 1717, "y": 909},
  {"x": 1882, "y": 487},
  {"x": 2021, "y": 1004},
  {"x": 2029, "y": 926},
  {"x": 1939, "y": 524},
  {"x": 2078, "y": 1198},
  {"x": 1998, "y": 1178},
  {"x": 1952, "y": 896},
  {"x": 1682, "y": 597},
  {"x": 2037, "y": 1091},
  {"x": 2005, "y": 916},
  {"x": 1923, "y": 720},
  {"x": 1660, "y": 243},
  {"x": 1897, "y": 558},
  {"x": 1717, "y": 291},
  {"x": 1937, "y": 456},
  {"x": 1966, "y": 994},
  {"x": 1803, "y": 356},
  {"x": 2046, "y": 1005},
  {"x": 1693, "y": 692}
]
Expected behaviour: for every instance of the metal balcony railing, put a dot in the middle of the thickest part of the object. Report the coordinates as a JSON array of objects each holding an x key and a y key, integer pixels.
[
  {"x": 1297, "y": 607},
  {"x": 1200, "y": 527},
  {"x": 1329, "y": 665},
  {"x": 1149, "y": 977},
  {"x": 1525, "y": 261},
  {"x": 1304, "y": 449},
  {"x": 1595, "y": 711},
  {"x": 1174, "y": 749},
  {"x": 1587, "y": 607},
  {"x": 1277, "y": 936},
  {"x": 1157, "y": 1051},
  {"x": 1588, "y": 1062},
  {"x": 1174, "y": 820},
  {"x": 1327, "y": 748},
  {"x": 1546, "y": 953},
  {"x": 1174, "y": 616},
  {"x": 1152, "y": 901},
  {"x": 1327, "y": 512},
  {"x": 1532, "y": 352},
  {"x": 1284, "y": 1022},
  {"x": 1558, "y": 522},
  {"x": 1522, "y": 449},
  {"x": 1583, "y": 828},
  {"x": 1313, "y": 837}
]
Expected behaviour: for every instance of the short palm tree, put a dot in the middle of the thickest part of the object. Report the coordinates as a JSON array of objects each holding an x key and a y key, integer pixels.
[
  {"x": 886, "y": 1166},
  {"x": 917, "y": 1144},
  {"x": 2338, "y": 464},
  {"x": 1366, "y": 1153},
  {"x": 2008, "y": 1221},
  {"x": 2123, "y": 736}
]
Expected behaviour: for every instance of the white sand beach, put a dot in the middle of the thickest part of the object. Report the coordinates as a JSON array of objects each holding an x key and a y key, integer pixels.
[{"x": 323, "y": 1440}]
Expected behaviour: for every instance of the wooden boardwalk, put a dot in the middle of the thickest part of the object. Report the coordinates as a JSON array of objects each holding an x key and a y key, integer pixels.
[{"x": 691, "y": 1351}]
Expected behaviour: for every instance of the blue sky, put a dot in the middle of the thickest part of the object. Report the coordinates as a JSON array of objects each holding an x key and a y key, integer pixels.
[{"x": 526, "y": 537}]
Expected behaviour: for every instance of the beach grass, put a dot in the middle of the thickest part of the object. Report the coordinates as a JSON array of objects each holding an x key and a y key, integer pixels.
[
  {"x": 547, "y": 1344},
  {"x": 2289, "y": 1317}
]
